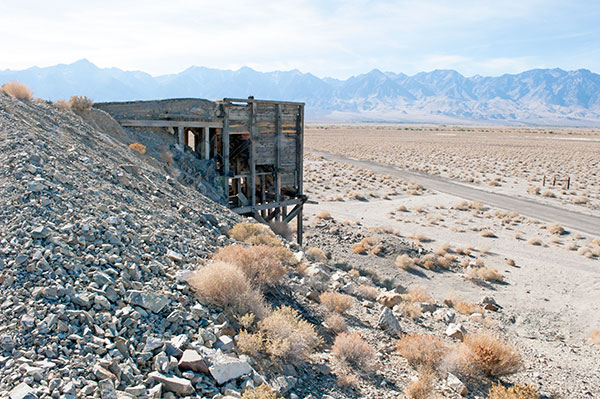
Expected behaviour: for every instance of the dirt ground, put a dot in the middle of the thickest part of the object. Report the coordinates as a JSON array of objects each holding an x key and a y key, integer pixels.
[{"x": 550, "y": 297}]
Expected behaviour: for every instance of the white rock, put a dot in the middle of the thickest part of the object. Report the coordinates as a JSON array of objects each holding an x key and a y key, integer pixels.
[
  {"x": 174, "y": 384},
  {"x": 456, "y": 385},
  {"x": 388, "y": 322}
]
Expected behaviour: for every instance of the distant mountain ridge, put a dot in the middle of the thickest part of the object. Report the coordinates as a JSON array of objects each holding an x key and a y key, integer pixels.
[{"x": 538, "y": 96}]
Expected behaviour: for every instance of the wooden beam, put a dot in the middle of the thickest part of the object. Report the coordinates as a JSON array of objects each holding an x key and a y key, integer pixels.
[
  {"x": 292, "y": 213},
  {"x": 252, "y": 159},
  {"x": 299, "y": 231},
  {"x": 206, "y": 143},
  {"x": 278, "y": 140},
  {"x": 181, "y": 137},
  {"x": 267, "y": 205},
  {"x": 226, "y": 148},
  {"x": 167, "y": 123},
  {"x": 253, "y": 100}
]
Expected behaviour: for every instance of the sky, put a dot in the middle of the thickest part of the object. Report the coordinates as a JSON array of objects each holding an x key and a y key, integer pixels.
[{"x": 327, "y": 38}]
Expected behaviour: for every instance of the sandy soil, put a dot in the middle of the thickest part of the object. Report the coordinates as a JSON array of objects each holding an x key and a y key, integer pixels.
[{"x": 550, "y": 298}]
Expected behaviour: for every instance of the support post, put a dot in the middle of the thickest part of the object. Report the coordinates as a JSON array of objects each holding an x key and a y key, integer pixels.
[
  {"x": 299, "y": 227},
  {"x": 181, "y": 137},
  {"x": 300, "y": 167},
  {"x": 278, "y": 139},
  {"x": 205, "y": 142},
  {"x": 226, "y": 149},
  {"x": 252, "y": 159}
]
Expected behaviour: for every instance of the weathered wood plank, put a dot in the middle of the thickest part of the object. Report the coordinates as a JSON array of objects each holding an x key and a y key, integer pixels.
[{"x": 166, "y": 123}]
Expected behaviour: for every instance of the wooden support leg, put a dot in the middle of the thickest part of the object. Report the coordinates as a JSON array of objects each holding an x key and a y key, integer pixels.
[
  {"x": 181, "y": 137},
  {"x": 299, "y": 227},
  {"x": 205, "y": 143}
]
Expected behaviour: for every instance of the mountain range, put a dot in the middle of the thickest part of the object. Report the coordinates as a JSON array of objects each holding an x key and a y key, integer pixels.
[{"x": 538, "y": 96}]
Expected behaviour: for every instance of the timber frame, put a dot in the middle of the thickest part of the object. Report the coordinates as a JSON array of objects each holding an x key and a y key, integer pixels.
[{"x": 257, "y": 146}]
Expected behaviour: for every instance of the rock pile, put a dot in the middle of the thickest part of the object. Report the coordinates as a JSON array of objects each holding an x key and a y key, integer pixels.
[{"x": 94, "y": 248}]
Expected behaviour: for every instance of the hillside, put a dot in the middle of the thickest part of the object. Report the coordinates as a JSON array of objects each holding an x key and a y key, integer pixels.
[{"x": 539, "y": 96}]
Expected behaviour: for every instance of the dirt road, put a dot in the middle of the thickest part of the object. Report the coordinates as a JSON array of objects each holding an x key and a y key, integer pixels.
[{"x": 585, "y": 223}]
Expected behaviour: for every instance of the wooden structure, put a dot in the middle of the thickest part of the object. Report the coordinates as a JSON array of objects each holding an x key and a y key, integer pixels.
[{"x": 257, "y": 146}]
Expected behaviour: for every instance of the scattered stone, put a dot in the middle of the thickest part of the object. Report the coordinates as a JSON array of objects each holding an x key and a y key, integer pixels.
[
  {"x": 191, "y": 360},
  {"x": 456, "y": 331},
  {"x": 388, "y": 322},
  {"x": 173, "y": 384},
  {"x": 456, "y": 384},
  {"x": 148, "y": 300},
  {"x": 22, "y": 391},
  {"x": 489, "y": 303},
  {"x": 107, "y": 389},
  {"x": 389, "y": 299},
  {"x": 174, "y": 256}
]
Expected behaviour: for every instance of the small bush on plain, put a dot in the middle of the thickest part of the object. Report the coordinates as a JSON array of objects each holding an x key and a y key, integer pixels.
[
  {"x": 422, "y": 387},
  {"x": 261, "y": 264},
  {"x": 515, "y": 392},
  {"x": 262, "y": 391},
  {"x": 315, "y": 254},
  {"x": 80, "y": 104},
  {"x": 491, "y": 356},
  {"x": 254, "y": 233},
  {"x": 336, "y": 323},
  {"x": 422, "y": 350}
]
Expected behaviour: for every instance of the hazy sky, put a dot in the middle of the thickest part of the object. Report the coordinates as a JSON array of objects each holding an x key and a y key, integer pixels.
[{"x": 327, "y": 38}]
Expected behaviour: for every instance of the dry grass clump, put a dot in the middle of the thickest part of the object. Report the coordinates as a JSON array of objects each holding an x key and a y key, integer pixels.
[
  {"x": 262, "y": 391},
  {"x": 254, "y": 233},
  {"x": 315, "y": 254},
  {"x": 62, "y": 104},
  {"x": 579, "y": 200},
  {"x": 405, "y": 262},
  {"x": 359, "y": 249},
  {"x": 324, "y": 216},
  {"x": 533, "y": 190},
  {"x": 491, "y": 356},
  {"x": 351, "y": 351},
  {"x": 556, "y": 229},
  {"x": 225, "y": 285},
  {"x": 336, "y": 323},
  {"x": 535, "y": 241},
  {"x": 283, "y": 335},
  {"x": 595, "y": 337},
  {"x": 463, "y": 307},
  {"x": 422, "y": 387},
  {"x": 511, "y": 262},
  {"x": 368, "y": 244},
  {"x": 368, "y": 292},
  {"x": 336, "y": 302},
  {"x": 80, "y": 104},
  {"x": 260, "y": 263},
  {"x": 420, "y": 237},
  {"x": 548, "y": 194},
  {"x": 422, "y": 350},
  {"x": 488, "y": 234},
  {"x": 17, "y": 90},
  {"x": 515, "y": 392},
  {"x": 483, "y": 273},
  {"x": 138, "y": 147},
  {"x": 417, "y": 293},
  {"x": 410, "y": 310}
]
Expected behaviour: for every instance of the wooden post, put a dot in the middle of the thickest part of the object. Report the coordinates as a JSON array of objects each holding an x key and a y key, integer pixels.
[
  {"x": 278, "y": 140},
  {"x": 554, "y": 181},
  {"x": 181, "y": 137},
  {"x": 252, "y": 159},
  {"x": 205, "y": 142},
  {"x": 226, "y": 149},
  {"x": 300, "y": 166},
  {"x": 544, "y": 181},
  {"x": 568, "y": 182}
]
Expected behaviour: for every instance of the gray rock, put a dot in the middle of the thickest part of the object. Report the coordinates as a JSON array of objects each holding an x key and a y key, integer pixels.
[
  {"x": 284, "y": 384},
  {"x": 225, "y": 343},
  {"x": 388, "y": 322},
  {"x": 152, "y": 344},
  {"x": 22, "y": 391},
  {"x": 147, "y": 300},
  {"x": 174, "y": 256},
  {"x": 40, "y": 232},
  {"x": 456, "y": 385},
  {"x": 107, "y": 389},
  {"x": 173, "y": 384},
  {"x": 456, "y": 331},
  {"x": 226, "y": 368},
  {"x": 191, "y": 360}
]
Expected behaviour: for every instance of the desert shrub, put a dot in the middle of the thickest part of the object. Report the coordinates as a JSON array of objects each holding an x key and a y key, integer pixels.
[
  {"x": 483, "y": 273},
  {"x": 417, "y": 293},
  {"x": 336, "y": 302},
  {"x": 80, "y": 104},
  {"x": 555, "y": 229},
  {"x": 281, "y": 229},
  {"x": 595, "y": 337},
  {"x": 511, "y": 262},
  {"x": 411, "y": 310},
  {"x": 353, "y": 352},
  {"x": 443, "y": 262},
  {"x": 138, "y": 147},
  {"x": 254, "y": 233},
  {"x": 368, "y": 292},
  {"x": 491, "y": 356},
  {"x": 225, "y": 285},
  {"x": 402, "y": 208},
  {"x": 488, "y": 234},
  {"x": 359, "y": 249},
  {"x": 548, "y": 194},
  {"x": 62, "y": 104},
  {"x": 315, "y": 254},
  {"x": 260, "y": 263},
  {"x": 262, "y": 391},
  {"x": 422, "y": 387},
  {"x": 463, "y": 307},
  {"x": 250, "y": 344},
  {"x": 533, "y": 190},
  {"x": 247, "y": 320},
  {"x": 17, "y": 90},
  {"x": 287, "y": 336},
  {"x": 535, "y": 241},
  {"x": 347, "y": 380},
  {"x": 420, "y": 237},
  {"x": 405, "y": 262},
  {"x": 324, "y": 216},
  {"x": 515, "y": 392},
  {"x": 422, "y": 350},
  {"x": 579, "y": 200},
  {"x": 336, "y": 323}
]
